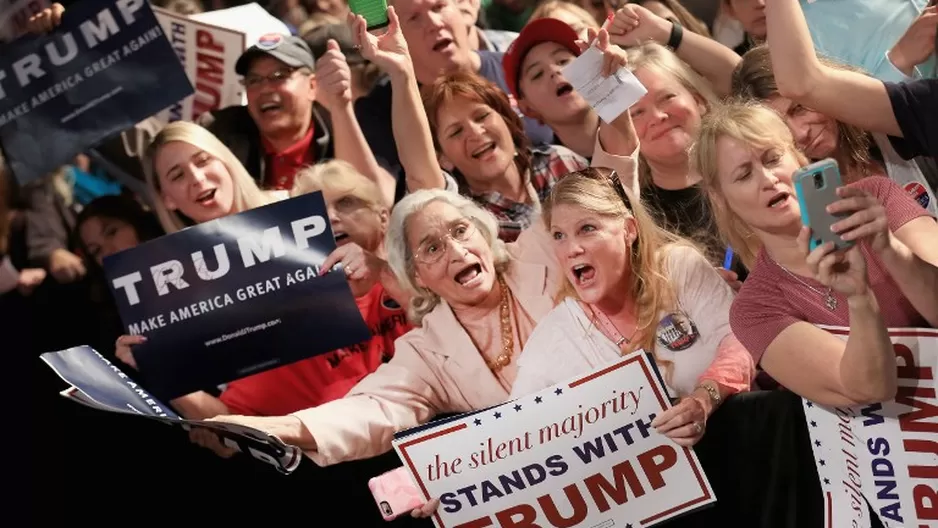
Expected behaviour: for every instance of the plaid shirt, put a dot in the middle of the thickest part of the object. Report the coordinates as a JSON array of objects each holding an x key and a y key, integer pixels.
[{"x": 549, "y": 163}]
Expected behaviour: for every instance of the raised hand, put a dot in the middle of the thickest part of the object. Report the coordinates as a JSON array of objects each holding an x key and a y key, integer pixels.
[
  {"x": 614, "y": 57},
  {"x": 841, "y": 271},
  {"x": 389, "y": 50},
  {"x": 333, "y": 78},
  {"x": 633, "y": 25}
]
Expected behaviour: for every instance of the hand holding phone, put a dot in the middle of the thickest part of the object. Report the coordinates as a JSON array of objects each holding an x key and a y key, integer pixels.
[
  {"x": 395, "y": 493},
  {"x": 816, "y": 187}
]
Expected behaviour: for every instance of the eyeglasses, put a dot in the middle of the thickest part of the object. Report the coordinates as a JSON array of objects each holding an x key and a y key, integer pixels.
[
  {"x": 620, "y": 191},
  {"x": 256, "y": 81},
  {"x": 432, "y": 250}
]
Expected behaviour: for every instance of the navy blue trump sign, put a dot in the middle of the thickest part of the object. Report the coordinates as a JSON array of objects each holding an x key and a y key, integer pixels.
[
  {"x": 235, "y": 296},
  {"x": 105, "y": 68}
]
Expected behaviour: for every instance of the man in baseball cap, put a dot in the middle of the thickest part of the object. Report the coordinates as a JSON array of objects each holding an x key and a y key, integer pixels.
[
  {"x": 291, "y": 51},
  {"x": 290, "y": 115}
]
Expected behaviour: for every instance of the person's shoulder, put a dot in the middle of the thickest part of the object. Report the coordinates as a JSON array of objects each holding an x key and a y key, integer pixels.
[
  {"x": 550, "y": 152},
  {"x": 552, "y": 329}
]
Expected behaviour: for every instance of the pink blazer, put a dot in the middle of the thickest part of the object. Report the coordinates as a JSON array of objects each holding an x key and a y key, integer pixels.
[{"x": 436, "y": 369}]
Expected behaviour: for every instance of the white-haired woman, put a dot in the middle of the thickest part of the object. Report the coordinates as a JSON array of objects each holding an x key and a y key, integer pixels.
[{"x": 476, "y": 301}]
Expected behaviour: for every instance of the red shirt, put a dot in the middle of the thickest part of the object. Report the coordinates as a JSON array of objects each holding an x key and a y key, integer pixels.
[
  {"x": 282, "y": 166},
  {"x": 326, "y": 377},
  {"x": 771, "y": 300}
]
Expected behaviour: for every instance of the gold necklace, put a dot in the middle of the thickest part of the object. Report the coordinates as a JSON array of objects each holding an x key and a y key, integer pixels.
[{"x": 508, "y": 338}]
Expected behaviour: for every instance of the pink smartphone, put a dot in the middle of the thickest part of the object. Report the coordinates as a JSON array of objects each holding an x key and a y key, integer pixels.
[{"x": 395, "y": 493}]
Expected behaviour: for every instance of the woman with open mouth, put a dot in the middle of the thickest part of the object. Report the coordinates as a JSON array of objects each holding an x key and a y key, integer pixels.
[
  {"x": 886, "y": 279},
  {"x": 196, "y": 179},
  {"x": 631, "y": 285},
  {"x": 477, "y": 137}
]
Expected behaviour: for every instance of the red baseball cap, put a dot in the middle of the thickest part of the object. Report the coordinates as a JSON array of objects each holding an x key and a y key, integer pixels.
[{"x": 534, "y": 33}]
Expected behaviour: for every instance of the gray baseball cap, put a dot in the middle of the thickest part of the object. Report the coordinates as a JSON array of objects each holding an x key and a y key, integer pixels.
[{"x": 290, "y": 50}]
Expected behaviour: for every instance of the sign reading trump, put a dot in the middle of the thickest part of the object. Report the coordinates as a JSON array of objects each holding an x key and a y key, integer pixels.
[
  {"x": 581, "y": 453},
  {"x": 235, "y": 296}
]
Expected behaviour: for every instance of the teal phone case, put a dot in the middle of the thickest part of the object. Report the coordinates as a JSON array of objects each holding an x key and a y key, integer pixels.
[{"x": 816, "y": 188}]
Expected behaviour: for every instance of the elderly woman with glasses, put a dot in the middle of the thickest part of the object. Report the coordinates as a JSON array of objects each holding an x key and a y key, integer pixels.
[{"x": 476, "y": 300}]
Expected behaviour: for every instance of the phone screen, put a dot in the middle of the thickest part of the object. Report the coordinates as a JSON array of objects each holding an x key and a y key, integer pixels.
[{"x": 375, "y": 12}]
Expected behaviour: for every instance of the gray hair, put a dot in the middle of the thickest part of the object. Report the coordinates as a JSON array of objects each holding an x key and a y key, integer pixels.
[{"x": 401, "y": 255}]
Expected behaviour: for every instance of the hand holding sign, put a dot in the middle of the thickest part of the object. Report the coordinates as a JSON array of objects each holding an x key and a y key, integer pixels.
[
  {"x": 362, "y": 268},
  {"x": 389, "y": 51},
  {"x": 334, "y": 79},
  {"x": 46, "y": 20}
]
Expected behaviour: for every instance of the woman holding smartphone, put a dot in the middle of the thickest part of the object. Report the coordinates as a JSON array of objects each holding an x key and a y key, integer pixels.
[{"x": 888, "y": 278}]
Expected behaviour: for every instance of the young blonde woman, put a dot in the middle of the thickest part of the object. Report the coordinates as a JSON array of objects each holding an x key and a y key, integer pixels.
[
  {"x": 889, "y": 278},
  {"x": 196, "y": 179}
]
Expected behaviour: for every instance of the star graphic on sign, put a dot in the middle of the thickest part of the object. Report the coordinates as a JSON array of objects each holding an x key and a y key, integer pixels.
[
  {"x": 537, "y": 399},
  {"x": 517, "y": 407},
  {"x": 558, "y": 391},
  {"x": 477, "y": 421},
  {"x": 810, "y": 404},
  {"x": 629, "y": 525},
  {"x": 817, "y": 443},
  {"x": 821, "y": 462},
  {"x": 813, "y": 423},
  {"x": 827, "y": 481},
  {"x": 498, "y": 415}
]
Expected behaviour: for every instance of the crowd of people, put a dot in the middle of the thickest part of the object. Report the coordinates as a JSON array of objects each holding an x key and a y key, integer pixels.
[{"x": 500, "y": 237}]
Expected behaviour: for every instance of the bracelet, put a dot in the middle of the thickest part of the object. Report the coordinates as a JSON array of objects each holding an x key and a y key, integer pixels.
[
  {"x": 677, "y": 34},
  {"x": 714, "y": 394}
]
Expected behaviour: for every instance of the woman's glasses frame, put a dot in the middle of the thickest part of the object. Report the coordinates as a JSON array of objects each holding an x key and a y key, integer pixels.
[{"x": 459, "y": 231}]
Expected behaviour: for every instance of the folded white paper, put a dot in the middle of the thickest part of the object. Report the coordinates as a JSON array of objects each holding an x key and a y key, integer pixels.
[{"x": 609, "y": 96}]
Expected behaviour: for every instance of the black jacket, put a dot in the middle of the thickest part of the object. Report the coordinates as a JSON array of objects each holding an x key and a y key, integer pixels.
[{"x": 235, "y": 127}]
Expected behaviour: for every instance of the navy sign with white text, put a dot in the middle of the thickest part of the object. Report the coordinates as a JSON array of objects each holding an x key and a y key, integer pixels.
[
  {"x": 233, "y": 297},
  {"x": 104, "y": 69}
]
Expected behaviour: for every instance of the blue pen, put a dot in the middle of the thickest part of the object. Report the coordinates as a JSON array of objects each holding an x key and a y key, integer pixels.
[{"x": 728, "y": 259}]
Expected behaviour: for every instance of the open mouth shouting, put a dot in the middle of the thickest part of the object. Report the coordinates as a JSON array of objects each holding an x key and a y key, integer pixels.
[
  {"x": 583, "y": 274},
  {"x": 485, "y": 151},
  {"x": 206, "y": 197},
  {"x": 564, "y": 89},
  {"x": 470, "y": 276},
  {"x": 442, "y": 44},
  {"x": 779, "y": 200},
  {"x": 340, "y": 238}
]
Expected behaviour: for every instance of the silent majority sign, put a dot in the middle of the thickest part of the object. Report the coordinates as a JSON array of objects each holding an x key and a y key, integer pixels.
[
  {"x": 581, "y": 453},
  {"x": 886, "y": 453}
]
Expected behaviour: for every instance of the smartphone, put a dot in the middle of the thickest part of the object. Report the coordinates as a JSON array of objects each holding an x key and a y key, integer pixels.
[
  {"x": 375, "y": 12},
  {"x": 816, "y": 187},
  {"x": 395, "y": 493}
]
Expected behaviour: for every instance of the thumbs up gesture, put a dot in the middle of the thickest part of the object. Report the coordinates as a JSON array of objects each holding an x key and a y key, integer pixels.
[{"x": 333, "y": 79}]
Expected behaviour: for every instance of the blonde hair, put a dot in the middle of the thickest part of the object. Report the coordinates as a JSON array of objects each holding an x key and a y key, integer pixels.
[
  {"x": 401, "y": 255},
  {"x": 339, "y": 177},
  {"x": 598, "y": 191},
  {"x": 754, "y": 78},
  {"x": 662, "y": 61},
  {"x": 550, "y": 7},
  {"x": 749, "y": 123},
  {"x": 247, "y": 195}
]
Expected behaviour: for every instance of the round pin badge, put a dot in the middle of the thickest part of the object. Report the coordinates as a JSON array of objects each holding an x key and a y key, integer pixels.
[
  {"x": 269, "y": 41},
  {"x": 919, "y": 193},
  {"x": 677, "y": 332}
]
